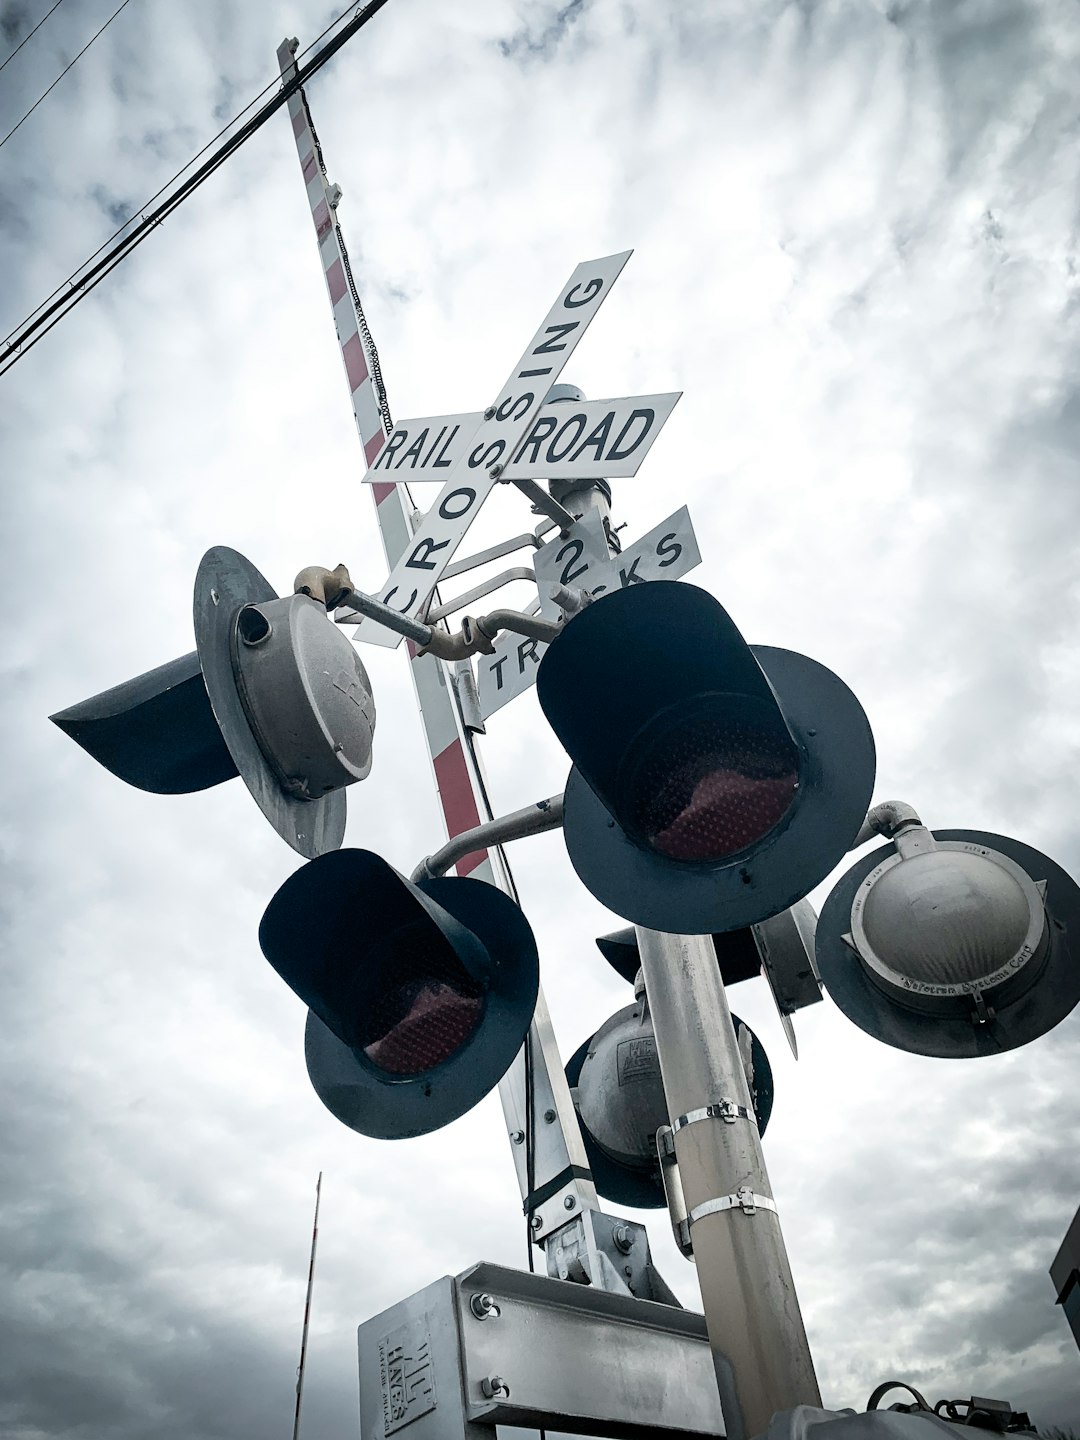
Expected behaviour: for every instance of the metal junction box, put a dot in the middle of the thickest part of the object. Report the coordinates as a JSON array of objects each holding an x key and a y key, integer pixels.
[{"x": 495, "y": 1346}]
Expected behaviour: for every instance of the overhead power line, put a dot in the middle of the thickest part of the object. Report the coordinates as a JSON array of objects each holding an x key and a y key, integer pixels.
[
  {"x": 75, "y": 289},
  {"x": 63, "y": 72},
  {"x": 32, "y": 33},
  {"x": 67, "y": 281}
]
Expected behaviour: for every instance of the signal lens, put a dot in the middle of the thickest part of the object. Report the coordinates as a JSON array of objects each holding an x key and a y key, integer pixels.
[
  {"x": 423, "y": 1007},
  {"x": 708, "y": 785}
]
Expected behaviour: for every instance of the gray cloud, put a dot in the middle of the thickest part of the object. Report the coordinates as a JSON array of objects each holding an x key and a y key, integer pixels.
[
  {"x": 15, "y": 23},
  {"x": 536, "y": 42}
]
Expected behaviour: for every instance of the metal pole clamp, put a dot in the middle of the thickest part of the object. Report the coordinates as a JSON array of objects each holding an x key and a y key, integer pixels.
[
  {"x": 744, "y": 1199},
  {"x": 724, "y": 1109}
]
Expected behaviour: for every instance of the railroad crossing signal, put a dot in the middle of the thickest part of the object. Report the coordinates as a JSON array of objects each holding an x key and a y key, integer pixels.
[
  {"x": 420, "y": 995},
  {"x": 714, "y": 783},
  {"x": 618, "y": 1094},
  {"x": 515, "y": 438},
  {"x": 273, "y": 693},
  {"x": 952, "y": 943}
]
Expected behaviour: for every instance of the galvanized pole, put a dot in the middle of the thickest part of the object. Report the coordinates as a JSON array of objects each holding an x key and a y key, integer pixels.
[
  {"x": 759, "y": 1345},
  {"x": 307, "y": 1311}
]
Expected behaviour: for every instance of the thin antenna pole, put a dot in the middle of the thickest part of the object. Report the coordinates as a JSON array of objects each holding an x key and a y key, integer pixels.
[{"x": 307, "y": 1311}]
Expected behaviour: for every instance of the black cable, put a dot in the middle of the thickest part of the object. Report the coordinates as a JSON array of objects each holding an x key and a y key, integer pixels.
[
  {"x": 19, "y": 342},
  {"x": 121, "y": 228},
  {"x": 886, "y": 1385},
  {"x": 361, "y": 319},
  {"x": 71, "y": 295},
  {"x": 486, "y": 798},
  {"x": 32, "y": 33},
  {"x": 950, "y": 1408},
  {"x": 63, "y": 72}
]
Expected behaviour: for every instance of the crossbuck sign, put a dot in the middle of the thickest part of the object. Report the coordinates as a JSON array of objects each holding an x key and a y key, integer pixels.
[
  {"x": 516, "y": 437},
  {"x": 587, "y": 440}
]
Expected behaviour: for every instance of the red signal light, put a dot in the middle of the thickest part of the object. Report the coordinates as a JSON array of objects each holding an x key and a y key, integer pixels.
[{"x": 704, "y": 787}]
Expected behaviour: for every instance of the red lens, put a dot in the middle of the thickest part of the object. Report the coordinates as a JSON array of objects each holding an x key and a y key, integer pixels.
[
  {"x": 708, "y": 786},
  {"x": 423, "y": 1008},
  {"x": 438, "y": 1022}
]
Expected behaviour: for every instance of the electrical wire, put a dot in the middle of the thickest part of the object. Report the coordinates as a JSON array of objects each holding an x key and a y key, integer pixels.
[
  {"x": 67, "y": 287},
  {"x": 63, "y": 72},
  {"x": 75, "y": 289},
  {"x": 32, "y": 33},
  {"x": 171, "y": 181},
  {"x": 478, "y": 769},
  {"x": 135, "y": 213}
]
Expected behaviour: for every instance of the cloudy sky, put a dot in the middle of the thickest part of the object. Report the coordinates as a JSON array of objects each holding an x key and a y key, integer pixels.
[{"x": 855, "y": 236}]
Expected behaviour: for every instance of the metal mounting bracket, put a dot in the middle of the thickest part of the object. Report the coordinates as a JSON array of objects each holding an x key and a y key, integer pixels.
[
  {"x": 493, "y": 552},
  {"x": 534, "y": 819},
  {"x": 543, "y": 504},
  {"x": 673, "y": 1191},
  {"x": 608, "y": 1253},
  {"x": 682, "y": 1220},
  {"x": 486, "y": 587}
]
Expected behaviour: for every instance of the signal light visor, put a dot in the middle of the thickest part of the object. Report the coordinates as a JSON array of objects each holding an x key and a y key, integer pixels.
[
  {"x": 420, "y": 995},
  {"x": 714, "y": 783}
]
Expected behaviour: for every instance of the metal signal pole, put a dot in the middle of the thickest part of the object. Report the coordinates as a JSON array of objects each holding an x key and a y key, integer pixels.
[
  {"x": 307, "y": 1311},
  {"x": 722, "y": 1208}
]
